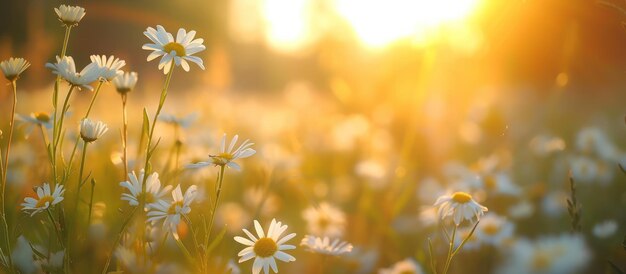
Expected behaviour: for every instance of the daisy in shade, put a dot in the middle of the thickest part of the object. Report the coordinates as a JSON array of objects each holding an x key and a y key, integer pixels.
[
  {"x": 325, "y": 220},
  {"x": 460, "y": 206},
  {"x": 178, "y": 51},
  {"x": 325, "y": 246},
  {"x": 154, "y": 193},
  {"x": 90, "y": 130},
  {"x": 266, "y": 248},
  {"x": 226, "y": 157},
  {"x": 125, "y": 82},
  {"x": 66, "y": 69},
  {"x": 171, "y": 212},
  {"x": 110, "y": 66},
  {"x": 35, "y": 119},
  {"x": 45, "y": 199},
  {"x": 69, "y": 15},
  {"x": 13, "y": 68}
]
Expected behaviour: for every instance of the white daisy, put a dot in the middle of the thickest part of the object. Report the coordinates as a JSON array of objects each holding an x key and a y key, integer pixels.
[
  {"x": 266, "y": 248},
  {"x": 70, "y": 15},
  {"x": 90, "y": 130},
  {"x": 460, "y": 206},
  {"x": 35, "y": 119},
  {"x": 325, "y": 246},
  {"x": 110, "y": 66},
  {"x": 184, "y": 122},
  {"x": 125, "y": 82},
  {"x": 66, "y": 69},
  {"x": 548, "y": 255},
  {"x": 154, "y": 193},
  {"x": 226, "y": 157},
  {"x": 325, "y": 220},
  {"x": 605, "y": 229},
  {"x": 407, "y": 266},
  {"x": 171, "y": 212},
  {"x": 495, "y": 230},
  {"x": 179, "y": 51},
  {"x": 13, "y": 67},
  {"x": 45, "y": 199}
]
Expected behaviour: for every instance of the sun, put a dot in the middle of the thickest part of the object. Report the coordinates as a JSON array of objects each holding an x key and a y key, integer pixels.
[{"x": 378, "y": 23}]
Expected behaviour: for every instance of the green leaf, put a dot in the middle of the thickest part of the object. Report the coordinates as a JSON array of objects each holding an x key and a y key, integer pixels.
[
  {"x": 145, "y": 129},
  {"x": 216, "y": 241}
]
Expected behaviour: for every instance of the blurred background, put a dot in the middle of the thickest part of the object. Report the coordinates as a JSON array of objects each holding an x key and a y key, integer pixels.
[{"x": 358, "y": 102}]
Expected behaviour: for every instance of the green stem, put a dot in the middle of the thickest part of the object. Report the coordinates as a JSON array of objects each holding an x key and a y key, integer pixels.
[
  {"x": 66, "y": 39},
  {"x": 450, "y": 248},
  {"x": 125, "y": 134},
  {"x": 118, "y": 239},
  {"x": 5, "y": 170},
  {"x": 195, "y": 240},
  {"x": 93, "y": 99},
  {"x": 218, "y": 192},
  {"x": 66, "y": 261},
  {"x": 55, "y": 97},
  {"x": 60, "y": 126},
  {"x": 93, "y": 186}
]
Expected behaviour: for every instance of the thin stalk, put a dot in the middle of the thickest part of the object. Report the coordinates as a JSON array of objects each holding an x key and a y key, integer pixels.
[
  {"x": 93, "y": 186},
  {"x": 118, "y": 239},
  {"x": 63, "y": 111},
  {"x": 80, "y": 179},
  {"x": 218, "y": 191},
  {"x": 195, "y": 240},
  {"x": 125, "y": 134},
  {"x": 450, "y": 249},
  {"x": 66, "y": 39},
  {"x": 55, "y": 99},
  {"x": 184, "y": 249},
  {"x": 93, "y": 98},
  {"x": 66, "y": 261},
  {"x": 5, "y": 170}
]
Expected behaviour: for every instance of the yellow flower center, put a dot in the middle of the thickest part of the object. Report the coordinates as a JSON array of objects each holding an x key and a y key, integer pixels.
[
  {"x": 461, "y": 197},
  {"x": 265, "y": 247},
  {"x": 540, "y": 261},
  {"x": 172, "y": 209},
  {"x": 149, "y": 197},
  {"x": 222, "y": 158},
  {"x": 323, "y": 221},
  {"x": 42, "y": 117},
  {"x": 43, "y": 200},
  {"x": 173, "y": 46},
  {"x": 491, "y": 229},
  {"x": 490, "y": 182}
]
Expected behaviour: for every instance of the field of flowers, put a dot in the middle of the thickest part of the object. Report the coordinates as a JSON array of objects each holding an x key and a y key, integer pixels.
[{"x": 103, "y": 171}]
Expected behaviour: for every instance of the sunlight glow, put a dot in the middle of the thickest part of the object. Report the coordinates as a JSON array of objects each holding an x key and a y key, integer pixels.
[{"x": 378, "y": 23}]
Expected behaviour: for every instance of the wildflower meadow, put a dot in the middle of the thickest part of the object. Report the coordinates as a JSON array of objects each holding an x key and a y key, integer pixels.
[{"x": 302, "y": 136}]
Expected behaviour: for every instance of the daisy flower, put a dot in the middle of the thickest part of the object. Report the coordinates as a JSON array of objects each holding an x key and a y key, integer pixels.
[
  {"x": 266, "y": 248},
  {"x": 495, "y": 230},
  {"x": 325, "y": 246},
  {"x": 547, "y": 255},
  {"x": 178, "y": 51},
  {"x": 35, "y": 119},
  {"x": 460, "y": 206},
  {"x": 184, "y": 122},
  {"x": 13, "y": 67},
  {"x": 66, "y": 69},
  {"x": 70, "y": 15},
  {"x": 125, "y": 82},
  {"x": 90, "y": 130},
  {"x": 45, "y": 199},
  {"x": 406, "y": 266},
  {"x": 171, "y": 212},
  {"x": 110, "y": 66},
  {"x": 325, "y": 220},
  {"x": 154, "y": 193},
  {"x": 226, "y": 157}
]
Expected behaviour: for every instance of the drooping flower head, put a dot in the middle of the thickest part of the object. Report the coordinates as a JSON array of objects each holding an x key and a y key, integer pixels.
[
  {"x": 178, "y": 51},
  {"x": 66, "y": 69},
  {"x": 70, "y": 15},
  {"x": 90, "y": 130},
  {"x": 45, "y": 199},
  {"x": 266, "y": 248},
  {"x": 154, "y": 193},
  {"x": 325, "y": 246},
  {"x": 110, "y": 66},
  {"x": 125, "y": 82},
  {"x": 227, "y": 157},
  {"x": 171, "y": 212},
  {"x": 13, "y": 68},
  {"x": 460, "y": 206}
]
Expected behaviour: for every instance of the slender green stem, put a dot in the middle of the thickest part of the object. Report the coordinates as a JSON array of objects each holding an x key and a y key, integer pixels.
[
  {"x": 80, "y": 179},
  {"x": 63, "y": 112},
  {"x": 93, "y": 98},
  {"x": 118, "y": 239},
  {"x": 450, "y": 249},
  {"x": 5, "y": 170},
  {"x": 66, "y": 261},
  {"x": 66, "y": 39},
  {"x": 184, "y": 249},
  {"x": 195, "y": 241},
  {"x": 93, "y": 186},
  {"x": 218, "y": 192},
  {"x": 433, "y": 264},
  {"x": 125, "y": 135}
]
